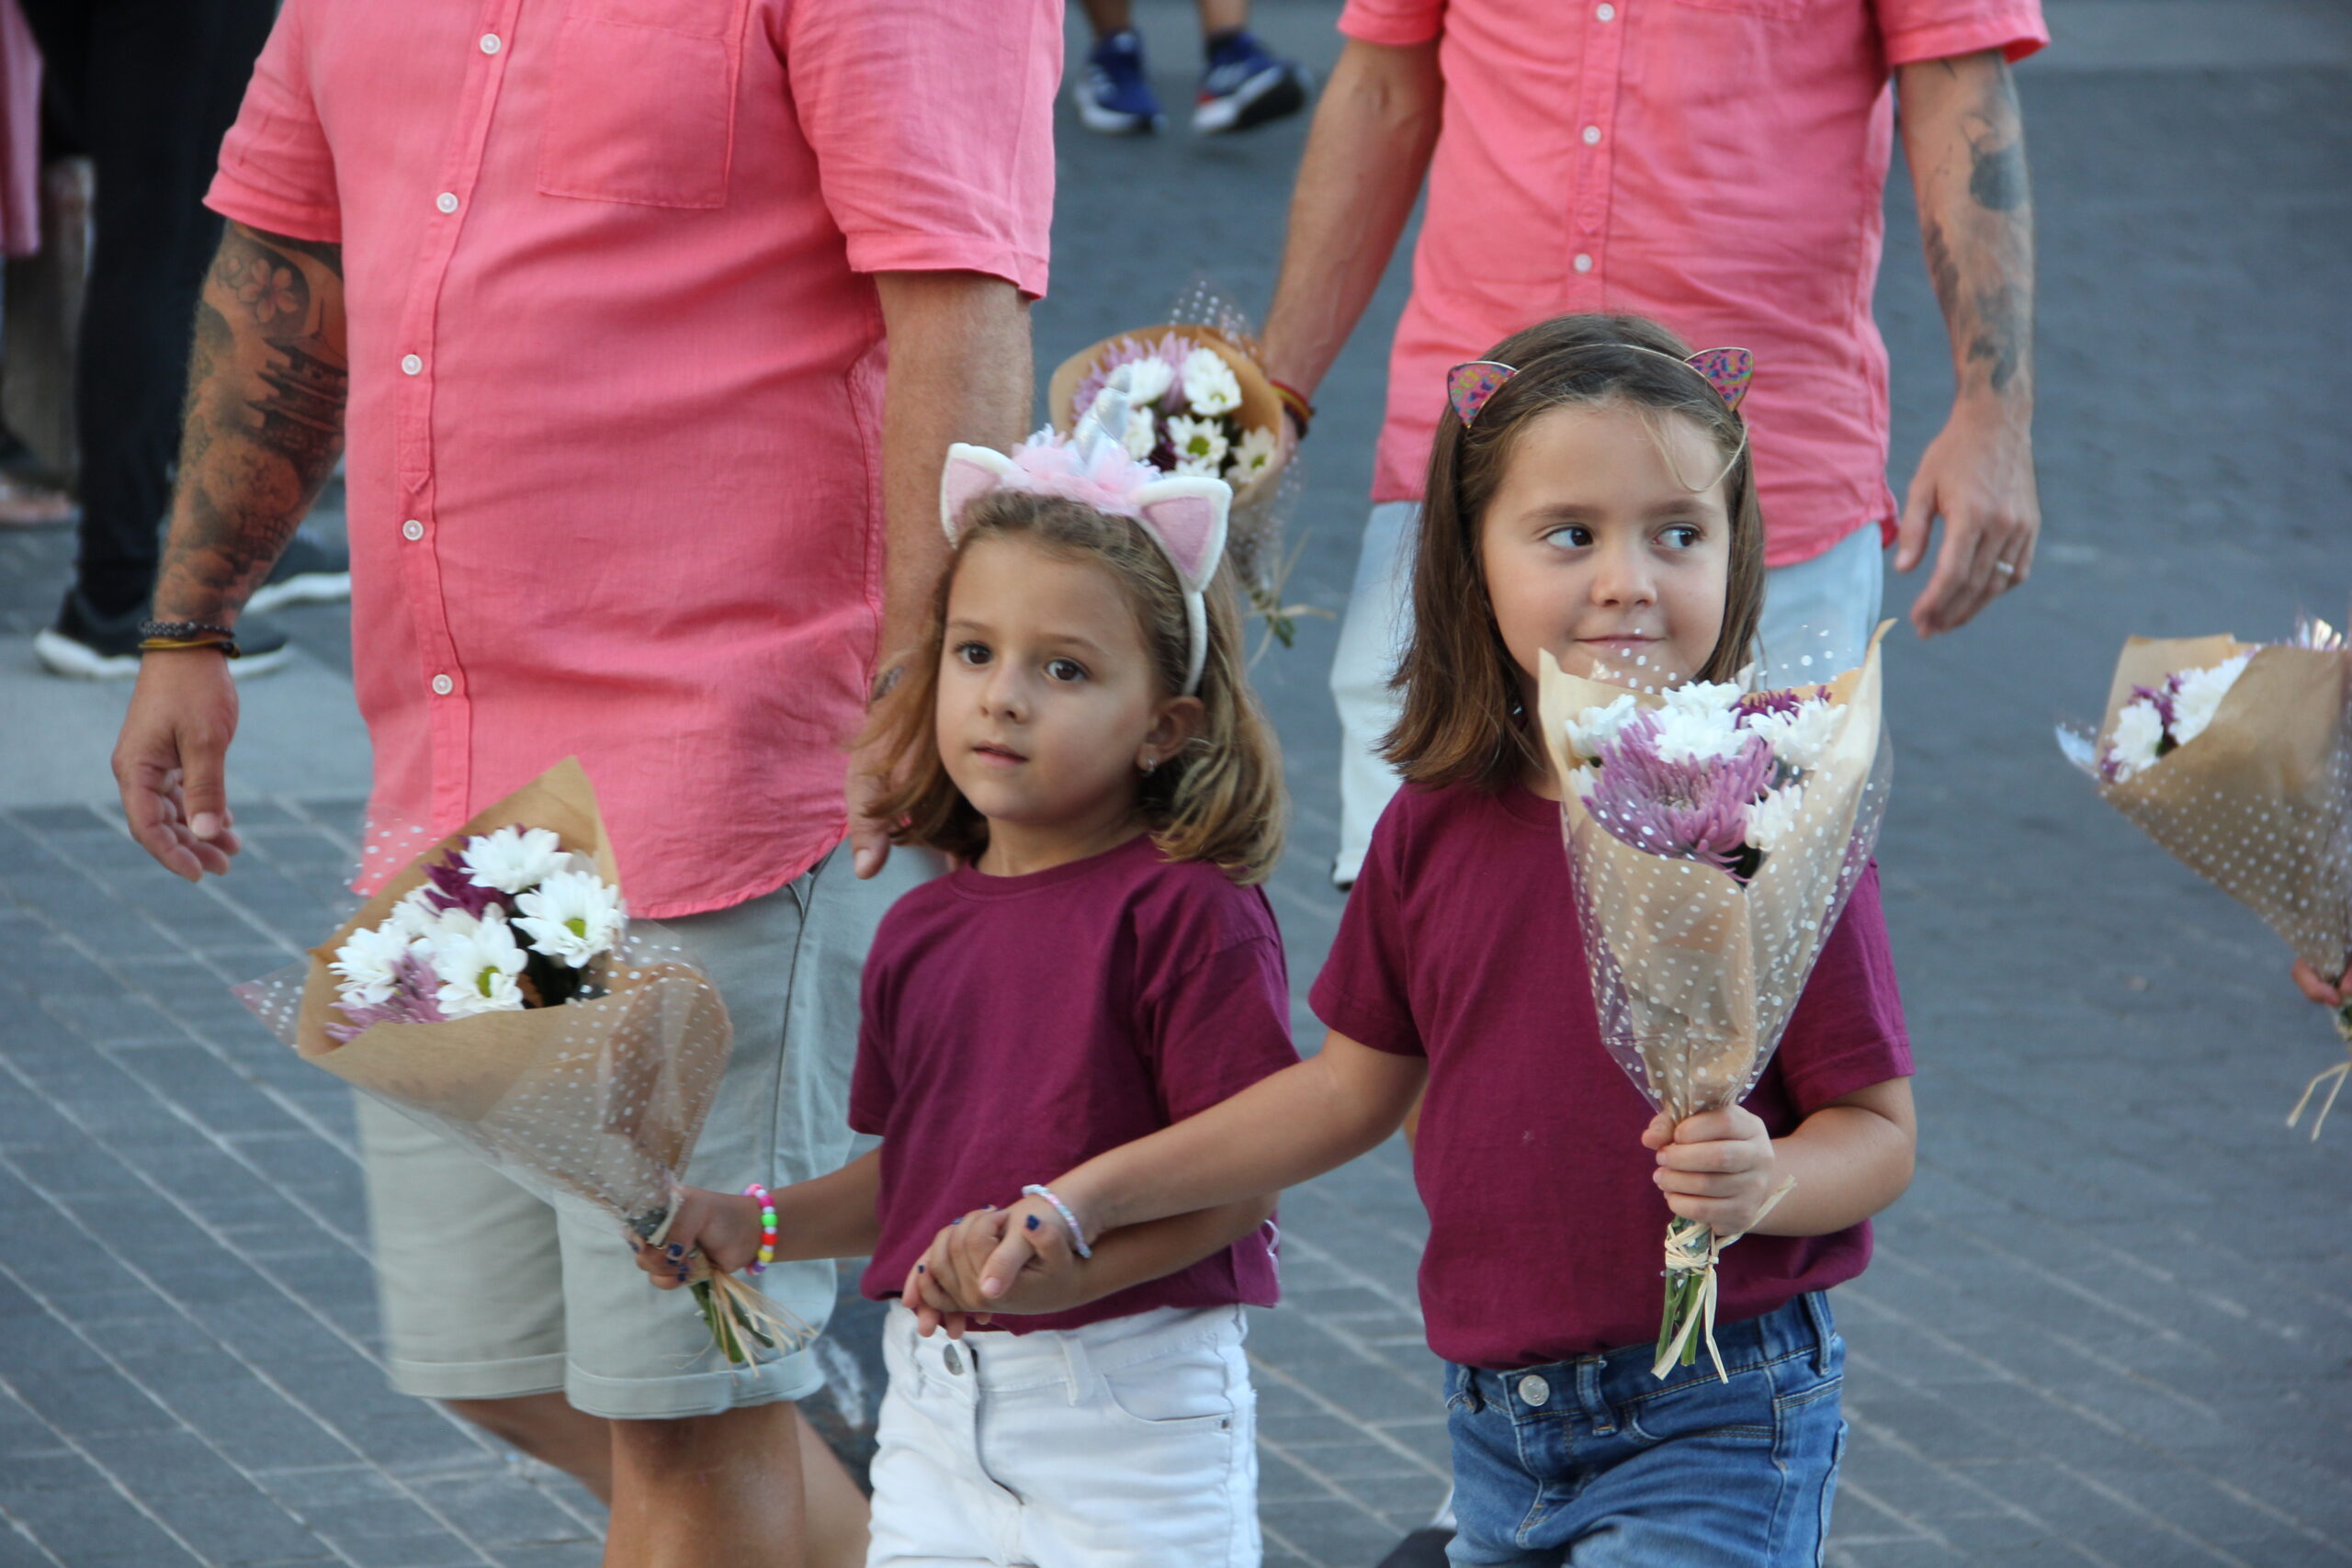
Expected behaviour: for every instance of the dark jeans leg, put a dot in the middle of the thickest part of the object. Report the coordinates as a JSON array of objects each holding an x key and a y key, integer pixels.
[{"x": 148, "y": 89}]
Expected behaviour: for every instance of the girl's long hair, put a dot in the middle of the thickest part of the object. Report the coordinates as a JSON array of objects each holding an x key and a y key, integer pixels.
[
  {"x": 1462, "y": 721},
  {"x": 1219, "y": 799}
]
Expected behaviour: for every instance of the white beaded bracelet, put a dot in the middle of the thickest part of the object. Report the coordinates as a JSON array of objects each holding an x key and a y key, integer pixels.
[{"x": 1077, "y": 1236}]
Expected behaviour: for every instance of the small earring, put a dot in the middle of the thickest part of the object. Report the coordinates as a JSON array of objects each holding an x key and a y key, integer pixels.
[{"x": 1148, "y": 763}]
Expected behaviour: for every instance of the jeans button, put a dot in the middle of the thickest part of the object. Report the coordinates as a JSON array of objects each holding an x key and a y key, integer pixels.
[
  {"x": 1535, "y": 1391},
  {"x": 954, "y": 1358}
]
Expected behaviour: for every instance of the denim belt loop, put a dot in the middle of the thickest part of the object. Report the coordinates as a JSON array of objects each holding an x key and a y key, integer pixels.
[
  {"x": 1082, "y": 1368},
  {"x": 1469, "y": 1391},
  {"x": 1816, "y": 1309},
  {"x": 1589, "y": 1395}
]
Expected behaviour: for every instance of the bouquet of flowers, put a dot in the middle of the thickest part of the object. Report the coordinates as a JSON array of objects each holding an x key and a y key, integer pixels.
[
  {"x": 497, "y": 992},
  {"x": 2237, "y": 761},
  {"x": 1198, "y": 404},
  {"x": 1715, "y": 836}
]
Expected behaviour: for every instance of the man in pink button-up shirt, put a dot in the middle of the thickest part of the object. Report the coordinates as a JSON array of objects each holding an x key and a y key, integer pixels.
[
  {"x": 1718, "y": 165},
  {"x": 599, "y": 292}
]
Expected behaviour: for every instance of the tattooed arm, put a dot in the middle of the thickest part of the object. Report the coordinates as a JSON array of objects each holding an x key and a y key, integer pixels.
[
  {"x": 1965, "y": 142},
  {"x": 267, "y": 379}
]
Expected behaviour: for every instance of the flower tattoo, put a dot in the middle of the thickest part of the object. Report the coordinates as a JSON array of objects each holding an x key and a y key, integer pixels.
[{"x": 269, "y": 290}]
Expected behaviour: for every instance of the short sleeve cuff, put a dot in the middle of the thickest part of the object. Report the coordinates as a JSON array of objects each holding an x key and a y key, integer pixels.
[
  {"x": 1396, "y": 26},
  {"x": 2016, "y": 30},
  {"x": 1366, "y": 1025},
  {"x": 272, "y": 213},
  {"x": 935, "y": 252},
  {"x": 1825, "y": 1080}
]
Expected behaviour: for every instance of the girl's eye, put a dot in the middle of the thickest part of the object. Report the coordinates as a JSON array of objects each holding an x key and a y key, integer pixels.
[
  {"x": 1065, "y": 670},
  {"x": 1575, "y": 537},
  {"x": 972, "y": 653},
  {"x": 1682, "y": 536}
]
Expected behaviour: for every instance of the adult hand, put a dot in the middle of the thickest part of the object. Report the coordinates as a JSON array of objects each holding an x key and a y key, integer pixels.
[
  {"x": 2307, "y": 980},
  {"x": 1977, "y": 475},
  {"x": 170, "y": 758},
  {"x": 1717, "y": 1168}
]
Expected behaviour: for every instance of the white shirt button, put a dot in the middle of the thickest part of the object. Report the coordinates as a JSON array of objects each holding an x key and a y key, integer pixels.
[
  {"x": 411, "y": 530},
  {"x": 447, "y": 201},
  {"x": 410, "y": 364},
  {"x": 1592, "y": 136},
  {"x": 1535, "y": 1391},
  {"x": 1607, "y": 13},
  {"x": 491, "y": 44},
  {"x": 443, "y": 686},
  {"x": 1583, "y": 262}
]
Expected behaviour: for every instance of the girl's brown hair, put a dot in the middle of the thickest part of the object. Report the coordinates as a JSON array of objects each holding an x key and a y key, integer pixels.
[
  {"x": 1462, "y": 719},
  {"x": 1219, "y": 799}
]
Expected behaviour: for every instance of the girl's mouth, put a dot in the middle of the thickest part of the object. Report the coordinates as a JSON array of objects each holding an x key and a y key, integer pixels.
[{"x": 1004, "y": 755}]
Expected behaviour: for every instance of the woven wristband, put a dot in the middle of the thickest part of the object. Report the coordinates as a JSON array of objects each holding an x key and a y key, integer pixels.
[
  {"x": 1077, "y": 1236},
  {"x": 1302, "y": 412},
  {"x": 165, "y": 637}
]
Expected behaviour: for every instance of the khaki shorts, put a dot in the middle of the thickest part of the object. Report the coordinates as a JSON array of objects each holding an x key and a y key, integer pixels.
[{"x": 489, "y": 1293}]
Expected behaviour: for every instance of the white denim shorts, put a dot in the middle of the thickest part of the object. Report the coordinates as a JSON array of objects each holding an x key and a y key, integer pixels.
[
  {"x": 1130, "y": 1443},
  {"x": 489, "y": 1293}
]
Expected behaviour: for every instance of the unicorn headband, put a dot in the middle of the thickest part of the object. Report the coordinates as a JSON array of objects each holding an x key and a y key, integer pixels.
[
  {"x": 1184, "y": 514},
  {"x": 1468, "y": 386}
]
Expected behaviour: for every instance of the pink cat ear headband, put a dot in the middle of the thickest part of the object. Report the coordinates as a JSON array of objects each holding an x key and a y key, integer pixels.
[
  {"x": 1184, "y": 514},
  {"x": 1727, "y": 370}
]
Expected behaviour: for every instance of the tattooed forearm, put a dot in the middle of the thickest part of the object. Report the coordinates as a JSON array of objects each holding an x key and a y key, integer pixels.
[
  {"x": 1966, "y": 139},
  {"x": 268, "y": 375}
]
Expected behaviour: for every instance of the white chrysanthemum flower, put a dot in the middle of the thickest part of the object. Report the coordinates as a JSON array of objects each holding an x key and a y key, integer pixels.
[
  {"x": 572, "y": 916},
  {"x": 1703, "y": 698},
  {"x": 366, "y": 962},
  {"x": 1197, "y": 440},
  {"x": 513, "y": 858},
  {"x": 2200, "y": 696},
  {"x": 1143, "y": 432},
  {"x": 1772, "y": 821},
  {"x": 1148, "y": 381},
  {"x": 1596, "y": 727},
  {"x": 1210, "y": 385},
  {"x": 1253, "y": 455},
  {"x": 1798, "y": 739},
  {"x": 2139, "y": 730},
  {"x": 413, "y": 917},
  {"x": 477, "y": 961},
  {"x": 1694, "y": 734}
]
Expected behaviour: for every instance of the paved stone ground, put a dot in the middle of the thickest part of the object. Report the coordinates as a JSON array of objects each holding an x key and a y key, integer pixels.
[{"x": 2109, "y": 1325}]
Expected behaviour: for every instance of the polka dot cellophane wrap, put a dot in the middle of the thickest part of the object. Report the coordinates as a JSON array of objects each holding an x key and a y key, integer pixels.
[
  {"x": 599, "y": 1099},
  {"x": 2260, "y": 804},
  {"x": 1695, "y": 974}
]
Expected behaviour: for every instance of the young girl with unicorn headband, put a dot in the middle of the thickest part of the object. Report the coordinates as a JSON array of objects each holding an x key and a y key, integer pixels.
[
  {"x": 1102, "y": 963},
  {"x": 1589, "y": 496}
]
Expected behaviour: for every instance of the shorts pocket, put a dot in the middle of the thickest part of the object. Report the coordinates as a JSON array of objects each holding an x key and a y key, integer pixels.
[
  {"x": 641, "y": 104},
  {"x": 1705, "y": 1406},
  {"x": 1182, "y": 1393}
]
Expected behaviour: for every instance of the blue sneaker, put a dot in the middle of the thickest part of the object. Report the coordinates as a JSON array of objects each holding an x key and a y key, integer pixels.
[
  {"x": 1244, "y": 85},
  {"x": 1114, "y": 98}
]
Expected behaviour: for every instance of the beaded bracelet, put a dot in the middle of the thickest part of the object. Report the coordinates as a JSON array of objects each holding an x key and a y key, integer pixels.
[
  {"x": 163, "y": 636},
  {"x": 1077, "y": 1236},
  {"x": 1302, "y": 412},
  {"x": 766, "y": 1201}
]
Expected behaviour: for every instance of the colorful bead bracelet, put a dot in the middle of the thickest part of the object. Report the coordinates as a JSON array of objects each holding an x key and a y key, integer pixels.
[{"x": 766, "y": 1201}]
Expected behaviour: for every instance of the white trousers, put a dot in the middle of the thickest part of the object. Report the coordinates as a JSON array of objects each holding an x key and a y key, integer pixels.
[
  {"x": 1126, "y": 1444},
  {"x": 1818, "y": 615}
]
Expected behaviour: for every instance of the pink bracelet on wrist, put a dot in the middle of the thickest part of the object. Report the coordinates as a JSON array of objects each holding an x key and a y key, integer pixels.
[{"x": 1077, "y": 1236}]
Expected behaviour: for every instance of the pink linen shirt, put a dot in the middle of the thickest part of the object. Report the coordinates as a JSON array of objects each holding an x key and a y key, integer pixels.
[
  {"x": 1714, "y": 165},
  {"x": 615, "y": 418}
]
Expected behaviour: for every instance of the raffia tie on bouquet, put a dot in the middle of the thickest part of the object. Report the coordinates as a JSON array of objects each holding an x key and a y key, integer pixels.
[{"x": 1693, "y": 1250}]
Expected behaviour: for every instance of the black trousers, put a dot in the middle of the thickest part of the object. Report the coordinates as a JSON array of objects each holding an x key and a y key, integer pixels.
[{"x": 146, "y": 88}]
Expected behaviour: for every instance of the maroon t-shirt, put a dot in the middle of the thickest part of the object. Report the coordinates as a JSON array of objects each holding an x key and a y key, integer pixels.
[
  {"x": 1461, "y": 943},
  {"x": 1015, "y": 1026}
]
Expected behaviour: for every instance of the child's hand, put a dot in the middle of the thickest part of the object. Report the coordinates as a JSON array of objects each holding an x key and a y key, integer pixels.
[
  {"x": 725, "y": 1229},
  {"x": 2307, "y": 980},
  {"x": 972, "y": 1241},
  {"x": 1717, "y": 1168},
  {"x": 1034, "y": 1240},
  {"x": 938, "y": 1289}
]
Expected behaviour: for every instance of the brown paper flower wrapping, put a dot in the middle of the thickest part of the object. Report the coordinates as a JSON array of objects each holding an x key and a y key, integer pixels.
[
  {"x": 2257, "y": 803},
  {"x": 1695, "y": 974},
  {"x": 600, "y": 1100}
]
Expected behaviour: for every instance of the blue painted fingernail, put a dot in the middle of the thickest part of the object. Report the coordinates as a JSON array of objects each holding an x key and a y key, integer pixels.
[
  {"x": 675, "y": 1250},
  {"x": 1033, "y": 1221},
  {"x": 921, "y": 1269},
  {"x": 956, "y": 1221}
]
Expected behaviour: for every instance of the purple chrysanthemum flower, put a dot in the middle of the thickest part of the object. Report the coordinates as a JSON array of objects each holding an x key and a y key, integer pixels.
[
  {"x": 1779, "y": 702},
  {"x": 1691, "y": 810},
  {"x": 414, "y": 1000}
]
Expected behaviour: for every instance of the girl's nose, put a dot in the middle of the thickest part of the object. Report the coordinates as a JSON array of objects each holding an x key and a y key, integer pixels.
[
  {"x": 1003, "y": 694},
  {"x": 1621, "y": 579}
]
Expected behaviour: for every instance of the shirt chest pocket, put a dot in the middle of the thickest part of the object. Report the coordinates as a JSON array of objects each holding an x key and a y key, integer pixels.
[
  {"x": 641, "y": 102},
  {"x": 1770, "y": 10}
]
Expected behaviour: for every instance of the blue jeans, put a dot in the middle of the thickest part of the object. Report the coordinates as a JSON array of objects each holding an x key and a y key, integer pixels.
[{"x": 1596, "y": 1464}]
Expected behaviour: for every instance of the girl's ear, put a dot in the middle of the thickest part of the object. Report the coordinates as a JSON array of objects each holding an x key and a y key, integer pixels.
[
  {"x": 970, "y": 471},
  {"x": 1181, "y": 721}
]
